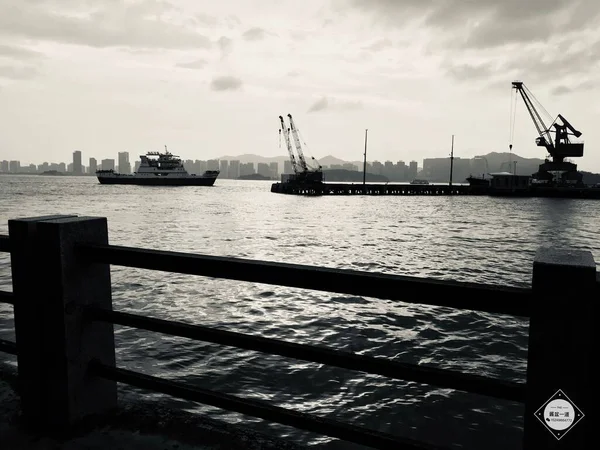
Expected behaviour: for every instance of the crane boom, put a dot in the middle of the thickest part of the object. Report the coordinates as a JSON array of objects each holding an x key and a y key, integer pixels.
[
  {"x": 301, "y": 158},
  {"x": 560, "y": 147},
  {"x": 545, "y": 138},
  {"x": 288, "y": 143}
]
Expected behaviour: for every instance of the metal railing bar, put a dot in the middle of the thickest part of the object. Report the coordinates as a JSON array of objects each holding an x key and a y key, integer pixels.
[
  {"x": 379, "y": 366},
  {"x": 7, "y": 297},
  {"x": 8, "y": 347},
  {"x": 260, "y": 409},
  {"x": 4, "y": 243},
  {"x": 452, "y": 294}
]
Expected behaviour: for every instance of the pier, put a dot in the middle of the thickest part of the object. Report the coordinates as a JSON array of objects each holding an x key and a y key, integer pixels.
[
  {"x": 318, "y": 189},
  {"x": 371, "y": 189},
  {"x": 65, "y": 347}
]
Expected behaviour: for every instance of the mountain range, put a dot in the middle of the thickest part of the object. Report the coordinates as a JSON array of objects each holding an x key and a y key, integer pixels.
[
  {"x": 248, "y": 157},
  {"x": 496, "y": 161}
]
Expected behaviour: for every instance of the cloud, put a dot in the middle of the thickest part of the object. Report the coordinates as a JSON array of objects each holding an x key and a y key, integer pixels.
[
  {"x": 197, "y": 64},
  {"x": 471, "y": 72},
  {"x": 18, "y": 52},
  {"x": 114, "y": 24},
  {"x": 205, "y": 20},
  {"x": 327, "y": 103},
  {"x": 567, "y": 62},
  {"x": 226, "y": 83},
  {"x": 225, "y": 46},
  {"x": 573, "y": 64},
  {"x": 254, "y": 34},
  {"x": 484, "y": 23},
  {"x": 18, "y": 73},
  {"x": 587, "y": 85},
  {"x": 378, "y": 45},
  {"x": 319, "y": 105}
]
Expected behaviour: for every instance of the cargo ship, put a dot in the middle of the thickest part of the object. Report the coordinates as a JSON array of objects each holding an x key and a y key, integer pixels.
[{"x": 159, "y": 169}]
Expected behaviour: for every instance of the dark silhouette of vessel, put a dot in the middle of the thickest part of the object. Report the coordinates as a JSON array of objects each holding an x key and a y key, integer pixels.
[{"x": 159, "y": 169}]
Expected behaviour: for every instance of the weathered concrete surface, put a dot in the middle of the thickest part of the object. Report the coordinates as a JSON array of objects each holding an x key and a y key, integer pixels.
[{"x": 135, "y": 426}]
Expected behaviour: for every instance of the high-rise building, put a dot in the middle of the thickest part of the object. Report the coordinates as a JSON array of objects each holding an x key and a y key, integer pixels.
[
  {"x": 234, "y": 169},
  {"x": 14, "y": 166},
  {"x": 124, "y": 165},
  {"x": 93, "y": 166},
  {"x": 247, "y": 169},
  {"x": 224, "y": 164},
  {"x": 274, "y": 169},
  {"x": 77, "y": 167},
  {"x": 108, "y": 164},
  {"x": 263, "y": 169},
  {"x": 413, "y": 168}
]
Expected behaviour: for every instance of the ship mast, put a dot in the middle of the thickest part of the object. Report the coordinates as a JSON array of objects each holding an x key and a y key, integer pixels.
[{"x": 451, "y": 159}]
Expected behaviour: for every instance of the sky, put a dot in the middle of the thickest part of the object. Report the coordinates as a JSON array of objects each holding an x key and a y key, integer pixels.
[{"x": 210, "y": 78}]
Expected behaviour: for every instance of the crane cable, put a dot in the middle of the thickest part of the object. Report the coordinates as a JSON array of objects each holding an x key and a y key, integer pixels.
[
  {"x": 309, "y": 152},
  {"x": 513, "y": 115}
]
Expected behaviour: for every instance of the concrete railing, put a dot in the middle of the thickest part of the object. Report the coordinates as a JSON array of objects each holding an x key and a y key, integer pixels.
[{"x": 65, "y": 343}]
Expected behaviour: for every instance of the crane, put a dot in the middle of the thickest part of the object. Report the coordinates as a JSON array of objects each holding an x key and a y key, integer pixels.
[
  {"x": 303, "y": 164},
  {"x": 302, "y": 160},
  {"x": 560, "y": 147},
  {"x": 303, "y": 173},
  {"x": 286, "y": 134}
]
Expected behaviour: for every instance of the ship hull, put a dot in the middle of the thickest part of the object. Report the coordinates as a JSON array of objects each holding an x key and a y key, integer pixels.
[{"x": 158, "y": 181}]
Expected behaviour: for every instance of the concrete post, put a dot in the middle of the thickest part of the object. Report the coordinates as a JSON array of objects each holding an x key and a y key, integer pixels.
[
  {"x": 51, "y": 282},
  {"x": 561, "y": 396}
]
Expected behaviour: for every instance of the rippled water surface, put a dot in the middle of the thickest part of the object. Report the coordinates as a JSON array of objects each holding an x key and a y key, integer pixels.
[{"x": 488, "y": 240}]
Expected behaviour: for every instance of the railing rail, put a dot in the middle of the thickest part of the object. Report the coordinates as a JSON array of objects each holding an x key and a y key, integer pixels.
[
  {"x": 452, "y": 294},
  {"x": 379, "y": 366},
  {"x": 73, "y": 302},
  {"x": 7, "y": 297},
  {"x": 262, "y": 410},
  {"x": 8, "y": 347}
]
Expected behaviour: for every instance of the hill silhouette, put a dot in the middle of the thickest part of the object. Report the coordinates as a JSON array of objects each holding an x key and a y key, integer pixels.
[
  {"x": 253, "y": 158},
  {"x": 496, "y": 162},
  {"x": 499, "y": 162}
]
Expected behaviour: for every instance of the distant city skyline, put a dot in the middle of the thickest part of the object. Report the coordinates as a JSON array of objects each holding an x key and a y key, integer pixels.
[
  {"x": 232, "y": 167},
  {"x": 211, "y": 78}
]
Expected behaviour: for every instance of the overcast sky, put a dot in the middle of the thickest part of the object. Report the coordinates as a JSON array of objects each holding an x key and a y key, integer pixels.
[{"x": 210, "y": 78}]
